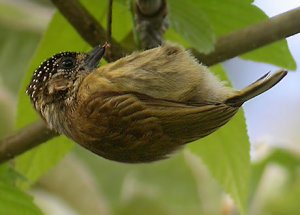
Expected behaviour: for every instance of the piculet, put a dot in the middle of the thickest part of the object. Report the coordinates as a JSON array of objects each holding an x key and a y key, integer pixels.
[{"x": 140, "y": 108}]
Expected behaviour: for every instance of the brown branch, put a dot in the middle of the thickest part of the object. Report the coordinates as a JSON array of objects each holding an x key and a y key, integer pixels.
[
  {"x": 237, "y": 43},
  {"x": 87, "y": 26},
  {"x": 253, "y": 37},
  {"x": 150, "y": 22},
  {"x": 24, "y": 140}
]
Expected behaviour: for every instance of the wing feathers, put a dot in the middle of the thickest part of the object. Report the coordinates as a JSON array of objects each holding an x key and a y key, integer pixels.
[
  {"x": 137, "y": 128},
  {"x": 177, "y": 120}
]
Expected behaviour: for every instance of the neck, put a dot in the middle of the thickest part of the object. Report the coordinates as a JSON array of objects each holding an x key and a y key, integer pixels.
[
  {"x": 55, "y": 115},
  {"x": 58, "y": 113}
]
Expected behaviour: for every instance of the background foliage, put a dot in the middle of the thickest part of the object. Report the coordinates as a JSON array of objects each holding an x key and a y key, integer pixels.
[{"x": 188, "y": 183}]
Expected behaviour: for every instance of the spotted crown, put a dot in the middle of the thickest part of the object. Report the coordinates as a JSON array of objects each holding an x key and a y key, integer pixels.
[{"x": 44, "y": 72}]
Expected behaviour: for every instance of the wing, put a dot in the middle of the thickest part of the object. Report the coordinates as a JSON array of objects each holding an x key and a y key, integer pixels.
[
  {"x": 189, "y": 122},
  {"x": 120, "y": 127},
  {"x": 137, "y": 128}
]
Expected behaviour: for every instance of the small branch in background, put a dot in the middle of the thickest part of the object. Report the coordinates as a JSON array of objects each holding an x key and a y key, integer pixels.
[
  {"x": 150, "y": 22},
  {"x": 24, "y": 140},
  {"x": 109, "y": 20},
  {"x": 237, "y": 43},
  {"x": 253, "y": 37},
  {"x": 87, "y": 26},
  {"x": 109, "y": 28}
]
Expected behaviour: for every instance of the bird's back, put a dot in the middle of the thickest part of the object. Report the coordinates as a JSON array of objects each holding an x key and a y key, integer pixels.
[{"x": 166, "y": 72}]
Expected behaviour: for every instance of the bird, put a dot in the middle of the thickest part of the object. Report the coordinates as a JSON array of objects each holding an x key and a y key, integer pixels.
[{"x": 140, "y": 108}]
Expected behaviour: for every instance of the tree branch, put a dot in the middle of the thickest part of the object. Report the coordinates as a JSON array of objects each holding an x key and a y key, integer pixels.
[
  {"x": 253, "y": 37},
  {"x": 24, "y": 140},
  {"x": 237, "y": 43},
  {"x": 150, "y": 22}
]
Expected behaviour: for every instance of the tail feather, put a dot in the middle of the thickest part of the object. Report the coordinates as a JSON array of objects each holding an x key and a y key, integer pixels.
[{"x": 258, "y": 87}]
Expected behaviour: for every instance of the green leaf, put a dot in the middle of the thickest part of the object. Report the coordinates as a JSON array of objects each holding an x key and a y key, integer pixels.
[
  {"x": 227, "y": 155},
  {"x": 121, "y": 21},
  {"x": 283, "y": 157},
  {"x": 6, "y": 113},
  {"x": 169, "y": 183},
  {"x": 188, "y": 19},
  {"x": 121, "y": 17},
  {"x": 227, "y": 16},
  {"x": 14, "y": 202},
  {"x": 8, "y": 174},
  {"x": 13, "y": 63},
  {"x": 277, "y": 54},
  {"x": 35, "y": 163},
  {"x": 172, "y": 35},
  {"x": 287, "y": 202}
]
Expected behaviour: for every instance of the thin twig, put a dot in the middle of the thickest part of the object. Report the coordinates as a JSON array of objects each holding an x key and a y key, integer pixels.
[
  {"x": 109, "y": 29},
  {"x": 109, "y": 20},
  {"x": 237, "y": 43}
]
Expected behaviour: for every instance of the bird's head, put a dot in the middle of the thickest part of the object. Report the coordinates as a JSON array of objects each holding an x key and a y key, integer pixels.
[{"x": 57, "y": 79}]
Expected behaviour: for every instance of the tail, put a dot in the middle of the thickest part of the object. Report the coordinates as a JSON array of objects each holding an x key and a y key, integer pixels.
[{"x": 261, "y": 85}]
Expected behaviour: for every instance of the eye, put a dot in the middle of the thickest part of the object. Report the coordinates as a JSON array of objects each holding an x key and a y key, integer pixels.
[{"x": 68, "y": 63}]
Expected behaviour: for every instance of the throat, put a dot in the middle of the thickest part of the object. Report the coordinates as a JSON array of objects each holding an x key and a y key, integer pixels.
[{"x": 57, "y": 117}]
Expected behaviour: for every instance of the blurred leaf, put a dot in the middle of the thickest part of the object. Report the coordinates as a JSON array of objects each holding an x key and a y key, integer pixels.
[
  {"x": 209, "y": 191},
  {"x": 10, "y": 200},
  {"x": 23, "y": 16},
  {"x": 225, "y": 17},
  {"x": 15, "y": 53},
  {"x": 143, "y": 205},
  {"x": 7, "y": 114},
  {"x": 121, "y": 21},
  {"x": 70, "y": 179},
  {"x": 43, "y": 2},
  {"x": 188, "y": 19},
  {"x": 169, "y": 183},
  {"x": 172, "y": 35},
  {"x": 227, "y": 155},
  {"x": 283, "y": 157},
  {"x": 35, "y": 163},
  {"x": 288, "y": 159},
  {"x": 15, "y": 202},
  {"x": 277, "y": 54},
  {"x": 8, "y": 174},
  {"x": 285, "y": 203}
]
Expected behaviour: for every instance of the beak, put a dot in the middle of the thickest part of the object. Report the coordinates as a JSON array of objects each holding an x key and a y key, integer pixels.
[{"x": 95, "y": 56}]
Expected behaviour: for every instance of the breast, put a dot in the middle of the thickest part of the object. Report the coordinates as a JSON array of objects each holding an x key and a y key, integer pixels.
[{"x": 126, "y": 133}]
